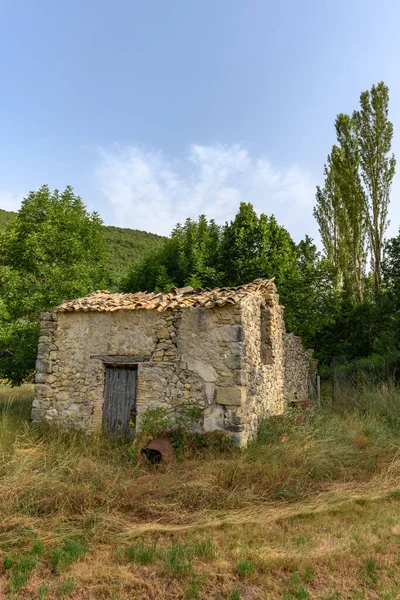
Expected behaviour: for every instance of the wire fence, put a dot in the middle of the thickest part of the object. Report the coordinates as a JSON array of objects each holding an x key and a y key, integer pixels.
[{"x": 344, "y": 375}]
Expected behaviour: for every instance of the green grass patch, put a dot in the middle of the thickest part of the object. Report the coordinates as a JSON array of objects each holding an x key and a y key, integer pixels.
[
  {"x": 204, "y": 549},
  {"x": 43, "y": 590},
  {"x": 234, "y": 595},
  {"x": 66, "y": 554},
  {"x": 245, "y": 567},
  {"x": 178, "y": 560},
  {"x": 67, "y": 587},
  {"x": 141, "y": 553}
]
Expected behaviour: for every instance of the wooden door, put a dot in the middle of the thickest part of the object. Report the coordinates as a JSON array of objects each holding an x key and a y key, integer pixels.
[{"x": 119, "y": 410}]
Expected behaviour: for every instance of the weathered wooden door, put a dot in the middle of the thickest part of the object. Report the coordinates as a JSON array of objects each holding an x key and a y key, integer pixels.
[{"x": 119, "y": 410}]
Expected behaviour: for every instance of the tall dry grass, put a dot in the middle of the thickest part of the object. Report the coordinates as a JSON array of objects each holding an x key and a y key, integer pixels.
[{"x": 57, "y": 486}]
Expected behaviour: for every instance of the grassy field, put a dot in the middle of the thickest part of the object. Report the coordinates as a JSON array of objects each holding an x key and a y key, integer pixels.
[{"x": 312, "y": 510}]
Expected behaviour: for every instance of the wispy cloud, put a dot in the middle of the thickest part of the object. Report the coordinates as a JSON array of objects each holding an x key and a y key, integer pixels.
[
  {"x": 10, "y": 201},
  {"x": 147, "y": 190}
]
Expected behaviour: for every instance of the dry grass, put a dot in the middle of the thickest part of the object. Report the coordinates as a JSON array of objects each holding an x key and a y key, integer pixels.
[{"x": 309, "y": 511}]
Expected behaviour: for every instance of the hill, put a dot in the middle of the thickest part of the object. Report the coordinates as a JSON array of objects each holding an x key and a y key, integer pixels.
[
  {"x": 125, "y": 246},
  {"x": 6, "y": 216}
]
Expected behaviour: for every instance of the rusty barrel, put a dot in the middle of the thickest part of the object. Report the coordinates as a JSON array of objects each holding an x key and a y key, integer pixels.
[{"x": 159, "y": 450}]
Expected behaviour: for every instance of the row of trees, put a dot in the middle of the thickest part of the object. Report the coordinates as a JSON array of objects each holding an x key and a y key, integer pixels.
[
  {"x": 201, "y": 253},
  {"x": 352, "y": 206}
]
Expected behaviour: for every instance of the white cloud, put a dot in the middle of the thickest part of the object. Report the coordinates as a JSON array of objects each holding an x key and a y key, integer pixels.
[
  {"x": 10, "y": 201},
  {"x": 146, "y": 190}
]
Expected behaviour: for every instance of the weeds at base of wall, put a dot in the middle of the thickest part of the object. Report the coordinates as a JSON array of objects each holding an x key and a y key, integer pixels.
[{"x": 156, "y": 422}]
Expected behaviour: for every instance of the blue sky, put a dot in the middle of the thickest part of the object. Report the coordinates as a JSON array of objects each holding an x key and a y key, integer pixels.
[{"x": 158, "y": 110}]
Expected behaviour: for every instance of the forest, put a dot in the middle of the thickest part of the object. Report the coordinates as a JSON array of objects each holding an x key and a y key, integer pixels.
[{"x": 341, "y": 297}]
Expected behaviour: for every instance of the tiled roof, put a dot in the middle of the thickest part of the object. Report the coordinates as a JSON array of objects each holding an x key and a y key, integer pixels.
[{"x": 186, "y": 297}]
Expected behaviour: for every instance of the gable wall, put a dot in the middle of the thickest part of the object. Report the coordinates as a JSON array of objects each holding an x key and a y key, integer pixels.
[
  {"x": 194, "y": 353},
  {"x": 264, "y": 382}
]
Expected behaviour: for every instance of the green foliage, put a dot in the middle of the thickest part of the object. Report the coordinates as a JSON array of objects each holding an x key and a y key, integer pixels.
[
  {"x": 18, "y": 579},
  {"x": 155, "y": 421},
  {"x": 353, "y": 204},
  {"x": 67, "y": 587},
  {"x": 189, "y": 257},
  {"x": 178, "y": 560},
  {"x": 20, "y": 339},
  {"x": 193, "y": 592},
  {"x": 52, "y": 250},
  {"x": 190, "y": 413},
  {"x": 352, "y": 211},
  {"x": 186, "y": 442},
  {"x": 5, "y": 218},
  {"x": 42, "y": 591},
  {"x": 255, "y": 246},
  {"x": 142, "y": 554},
  {"x": 391, "y": 269},
  {"x": 375, "y": 133},
  {"x": 340, "y": 211},
  {"x": 370, "y": 570},
  {"x": 204, "y": 548},
  {"x": 38, "y": 547},
  {"x": 19, "y": 571},
  {"x": 234, "y": 595},
  {"x": 66, "y": 554},
  {"x": 245, "y": 567},
  {"x": 199, "y": 253},
  {"x": 125, "y": 248}
]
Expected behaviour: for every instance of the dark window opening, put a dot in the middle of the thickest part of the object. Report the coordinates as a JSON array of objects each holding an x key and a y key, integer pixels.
[{"x": 266, "y": 352}]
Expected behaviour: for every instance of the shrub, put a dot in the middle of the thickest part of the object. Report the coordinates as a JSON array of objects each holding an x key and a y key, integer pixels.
[{"x": 155, "y": 422}]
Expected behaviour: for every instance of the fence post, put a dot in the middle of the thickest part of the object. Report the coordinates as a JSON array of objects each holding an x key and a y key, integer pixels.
[
  {"x": 318, "y": 391},
  {"x": 333, "y": 383}
]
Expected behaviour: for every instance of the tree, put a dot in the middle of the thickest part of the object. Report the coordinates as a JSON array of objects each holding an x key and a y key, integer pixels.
[
  {"x": 374, "y": 133},
  {"x": 391, "y": 268},
  {"x": 309, "y": 295},
  {"x": 255, "y": 246},
  {"x": 325, "y": 213},
  {"x": 189, "y": 257},
  {"x": 53, "y": 250},
  {"x": 351, "y": 213},
  {"x": 340, "y": 212}
]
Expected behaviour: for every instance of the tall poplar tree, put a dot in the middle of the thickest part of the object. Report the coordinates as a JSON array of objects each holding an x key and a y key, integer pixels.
[
  {"x": 340, "y": 212},
  {"x": 351, "y": 209},
  {"x": 375, "y": 132}
]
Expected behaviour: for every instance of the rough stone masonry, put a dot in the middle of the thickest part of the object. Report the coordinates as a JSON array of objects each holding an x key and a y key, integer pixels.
[{"x": 224, "y": 350}]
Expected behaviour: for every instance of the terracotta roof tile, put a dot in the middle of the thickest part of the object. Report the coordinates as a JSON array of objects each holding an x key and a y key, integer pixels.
[{"x": 187, "y": 297}]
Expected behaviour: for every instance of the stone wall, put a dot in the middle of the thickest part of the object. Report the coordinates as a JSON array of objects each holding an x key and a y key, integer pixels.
[
  {"x": 264, "y": 361},
  {"x": 192, "y": 355},
  {"x": 298, "y": 364},
  {"x": 228, "y": 360}
]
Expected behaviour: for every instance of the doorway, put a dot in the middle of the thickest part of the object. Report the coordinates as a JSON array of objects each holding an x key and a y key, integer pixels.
[{"x": 119, "y": 409}]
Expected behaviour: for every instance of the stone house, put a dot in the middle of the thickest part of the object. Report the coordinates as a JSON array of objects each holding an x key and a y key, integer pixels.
[{"x": 107, "y": 358}]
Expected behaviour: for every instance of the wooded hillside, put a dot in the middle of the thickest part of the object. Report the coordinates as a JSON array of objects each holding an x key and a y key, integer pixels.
[{"x": 125, "y": 246}]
